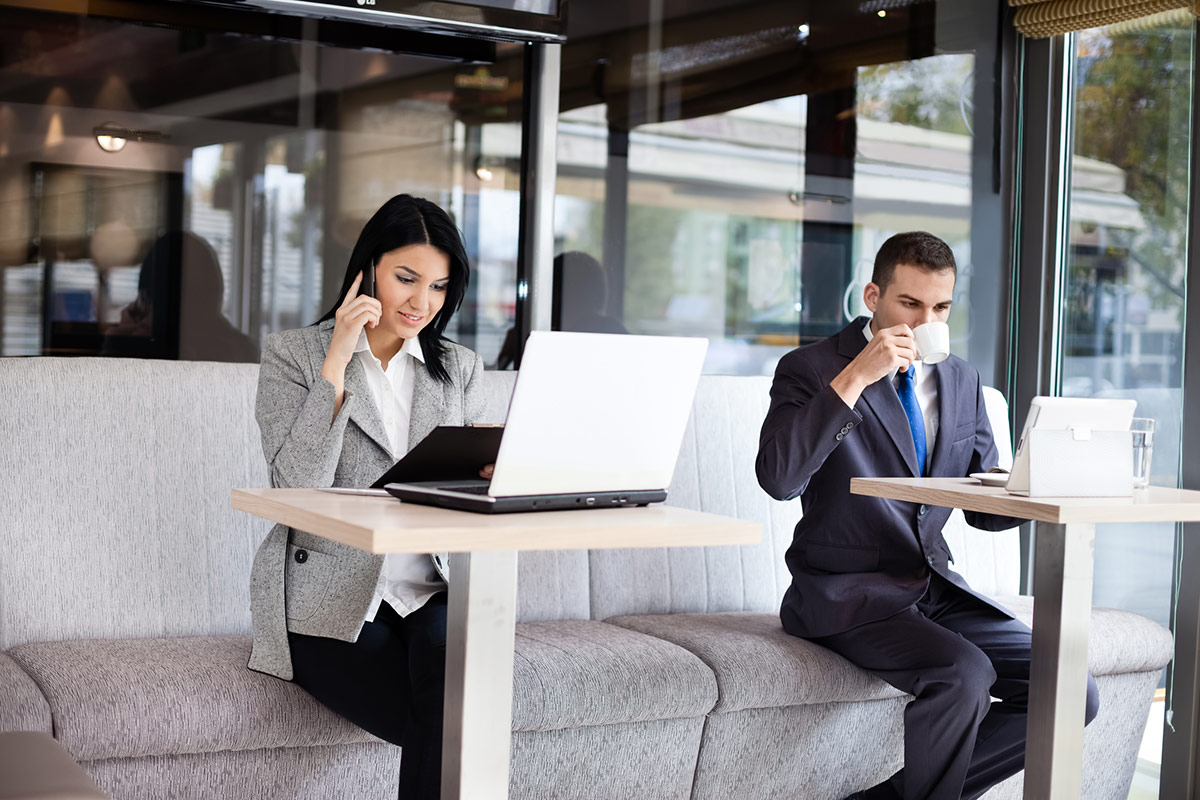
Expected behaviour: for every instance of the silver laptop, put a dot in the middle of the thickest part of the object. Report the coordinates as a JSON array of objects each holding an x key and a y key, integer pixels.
[{"x": 596, "y": 420}]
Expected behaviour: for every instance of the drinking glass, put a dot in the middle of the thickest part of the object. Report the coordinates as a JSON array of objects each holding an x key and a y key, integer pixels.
[{"x": 1142, "y": 429}]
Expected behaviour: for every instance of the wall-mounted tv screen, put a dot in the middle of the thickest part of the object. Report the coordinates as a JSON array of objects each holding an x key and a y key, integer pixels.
[{"x": 502, "y": 20}]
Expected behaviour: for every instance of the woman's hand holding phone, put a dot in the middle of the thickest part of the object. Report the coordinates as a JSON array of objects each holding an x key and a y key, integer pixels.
[
  {"x": 356, "y": 311},
  {"x": 368, "y": 281}
]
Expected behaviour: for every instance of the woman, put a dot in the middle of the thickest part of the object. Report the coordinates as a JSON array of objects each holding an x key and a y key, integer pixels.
[{"x": 338, "y": 402}]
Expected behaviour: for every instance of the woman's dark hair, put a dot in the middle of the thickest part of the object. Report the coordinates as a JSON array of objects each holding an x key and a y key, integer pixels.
[{"x": 402, "y": 221}]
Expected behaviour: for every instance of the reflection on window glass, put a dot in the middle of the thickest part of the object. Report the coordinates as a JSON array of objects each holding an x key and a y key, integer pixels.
[
  {"x": 188, "y": 192},
  {"x": 1122, "y": 326},
  {"x": 736, "y": 183}
]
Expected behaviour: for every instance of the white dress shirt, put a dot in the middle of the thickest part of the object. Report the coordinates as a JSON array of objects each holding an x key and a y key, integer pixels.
[
  {"x": 407, "y": 580},
  {"x": 925, "y": 383}
]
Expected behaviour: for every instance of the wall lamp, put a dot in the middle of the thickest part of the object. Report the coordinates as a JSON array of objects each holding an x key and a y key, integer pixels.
[
  {"x": 485, "y": 169},
  {"x": 112, "y": 138}
]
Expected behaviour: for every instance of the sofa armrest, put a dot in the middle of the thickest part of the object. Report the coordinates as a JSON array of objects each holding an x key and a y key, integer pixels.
[
  {"x": 34, "y": 767},
  {"x": 1119, "y": 642},
  {"x": 23, "y": 707}
]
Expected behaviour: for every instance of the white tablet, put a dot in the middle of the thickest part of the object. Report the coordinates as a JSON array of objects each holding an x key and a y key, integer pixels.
[{"x": 1060, "y": 413}]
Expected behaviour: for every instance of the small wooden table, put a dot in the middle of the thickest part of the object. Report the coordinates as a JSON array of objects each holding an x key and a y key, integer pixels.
[
  {"x": 483, "y": 591},
  {"x": 1062, "y": 590}
]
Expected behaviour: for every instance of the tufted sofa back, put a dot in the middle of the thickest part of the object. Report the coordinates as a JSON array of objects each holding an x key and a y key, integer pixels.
[{"x": 117, "y": 521}]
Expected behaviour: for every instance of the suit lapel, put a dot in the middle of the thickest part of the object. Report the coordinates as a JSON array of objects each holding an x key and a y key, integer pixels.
[
  {"x": 947, "y": 398},
  {"x": 881, "y": 397},
  {"x": 428, "y": 405},
  {"x": 883, "y": 400}
]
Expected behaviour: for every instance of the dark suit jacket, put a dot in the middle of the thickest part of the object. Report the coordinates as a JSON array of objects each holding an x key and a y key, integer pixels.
[{"x": 859, "y": 559}]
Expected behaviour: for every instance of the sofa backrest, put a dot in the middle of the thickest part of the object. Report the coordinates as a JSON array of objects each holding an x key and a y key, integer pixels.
[
  {"x": 116, "y": 498},
  {"x": 991, "y": 562},
  {"x": 117, "y": 521}
]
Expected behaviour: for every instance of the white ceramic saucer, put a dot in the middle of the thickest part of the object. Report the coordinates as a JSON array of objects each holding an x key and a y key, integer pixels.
[{"x": 990, "y": 478}]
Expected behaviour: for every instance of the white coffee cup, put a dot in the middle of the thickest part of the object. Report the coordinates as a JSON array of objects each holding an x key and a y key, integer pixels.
[{"x": 933, "y": 342}]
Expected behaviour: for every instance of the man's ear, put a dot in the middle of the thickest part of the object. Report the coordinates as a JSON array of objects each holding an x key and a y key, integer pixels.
[{"x": 871, "y": 296}]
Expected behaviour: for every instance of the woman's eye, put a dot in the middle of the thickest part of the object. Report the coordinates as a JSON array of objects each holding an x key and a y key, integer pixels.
[
  {"x": 403, "y": 279},
  {"x": 439, "y": 287}
]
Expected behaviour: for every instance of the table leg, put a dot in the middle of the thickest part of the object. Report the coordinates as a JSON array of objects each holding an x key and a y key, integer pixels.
[
  {"x": 479, "y": 675},
  {"x": 1062, "y": 590}
]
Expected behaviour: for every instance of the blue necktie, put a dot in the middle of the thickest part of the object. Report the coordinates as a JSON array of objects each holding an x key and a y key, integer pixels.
[{"x": 912, "y": 409}]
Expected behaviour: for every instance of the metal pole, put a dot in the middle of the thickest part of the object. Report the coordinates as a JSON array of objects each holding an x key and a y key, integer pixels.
[
  {"x": 481, "y": 629},
  {"x": 1181, "y": 737},
  {"x": 1058, "y": 676},
  {"x": 535, "y": 261}
]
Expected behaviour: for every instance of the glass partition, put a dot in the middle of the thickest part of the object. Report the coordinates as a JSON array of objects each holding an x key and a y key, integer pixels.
[
  {"x": 729, "y": 171},
  {"x": 1123, "y": 310},
  {"x": 180, "y": 192},
  {"x": 1123, "y": 315}
]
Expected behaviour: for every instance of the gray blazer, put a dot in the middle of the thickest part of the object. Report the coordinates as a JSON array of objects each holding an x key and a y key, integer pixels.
[{"x": 328, "y": 593}]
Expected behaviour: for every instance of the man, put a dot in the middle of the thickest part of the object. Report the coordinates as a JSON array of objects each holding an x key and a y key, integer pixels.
[{"x": 870, "y": 577}]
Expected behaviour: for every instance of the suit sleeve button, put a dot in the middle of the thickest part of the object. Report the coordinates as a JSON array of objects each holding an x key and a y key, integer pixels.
[
  {"x": 930, "y": 560},
  {"x": 840, "y": 436},
  {"x": 301, "y": 556}
]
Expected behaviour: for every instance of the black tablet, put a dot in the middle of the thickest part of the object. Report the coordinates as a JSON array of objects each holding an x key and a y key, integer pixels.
[{"x": 448, "y": 453}]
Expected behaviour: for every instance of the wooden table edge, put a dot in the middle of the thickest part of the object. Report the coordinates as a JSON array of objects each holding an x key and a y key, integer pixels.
[
  {"x": 1039, "y": 509},
  {"x": 720, "y": 532}
]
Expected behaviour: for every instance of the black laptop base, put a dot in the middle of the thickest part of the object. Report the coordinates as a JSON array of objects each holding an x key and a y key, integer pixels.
[{"x": 436, "y": 493}]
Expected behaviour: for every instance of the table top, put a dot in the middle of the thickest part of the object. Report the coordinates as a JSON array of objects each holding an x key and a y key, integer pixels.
[
  {"x": 386, "y": 525},
  {"x": 1152, "y": 504}
]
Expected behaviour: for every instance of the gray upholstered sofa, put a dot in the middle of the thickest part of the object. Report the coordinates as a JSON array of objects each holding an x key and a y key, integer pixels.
[{"x": 124, "y": 615}]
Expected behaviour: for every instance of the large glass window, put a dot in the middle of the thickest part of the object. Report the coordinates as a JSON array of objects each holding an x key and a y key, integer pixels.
[
  {"x": 728, "y": 171},
  {"x": 180, "y": 192},
  {"x": 1123, "y": 314}
]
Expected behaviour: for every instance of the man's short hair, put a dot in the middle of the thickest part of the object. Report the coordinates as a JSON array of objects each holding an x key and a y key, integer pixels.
[{"x": 915, "y": 248}]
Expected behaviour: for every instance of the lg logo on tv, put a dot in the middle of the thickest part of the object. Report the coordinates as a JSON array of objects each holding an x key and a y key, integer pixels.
[{"x": 365, "y": 2}]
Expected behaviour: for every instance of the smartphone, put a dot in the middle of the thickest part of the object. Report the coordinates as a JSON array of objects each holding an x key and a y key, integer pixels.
[{"x": 367, "y": 286}]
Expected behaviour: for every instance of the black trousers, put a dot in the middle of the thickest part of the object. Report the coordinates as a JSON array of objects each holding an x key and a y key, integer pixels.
[
  {"x": 953, "y": 653},
  {"x": 390, "y": 683}
]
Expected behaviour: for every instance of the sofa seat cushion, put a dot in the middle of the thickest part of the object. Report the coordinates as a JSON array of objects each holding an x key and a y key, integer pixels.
[
  {"x": 575, "y": 673},
  {"x": 1119, "y": 642},
  {"x": 22, "y": 706},
  {"x": 146, "y": 697},
  {"x": 757, "y": 665}
]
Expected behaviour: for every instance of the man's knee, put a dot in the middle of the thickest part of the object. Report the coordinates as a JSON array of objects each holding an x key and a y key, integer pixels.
[
  {"x": 1093, "y": 701},
  {"x": 968, "y": 681}
]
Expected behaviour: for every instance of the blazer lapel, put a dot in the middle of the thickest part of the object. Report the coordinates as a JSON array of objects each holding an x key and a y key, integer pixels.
[
  {"x": 947, "y": 399},
  {"x": 428, "y": 405},
  {"x": 882, "y": 398},
  {"x": 365, "y": 414}
]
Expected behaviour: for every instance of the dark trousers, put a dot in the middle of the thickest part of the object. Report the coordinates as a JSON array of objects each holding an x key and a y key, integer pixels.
[
  {"x": 952, "y": 652},
  {"x": 390, "y": 683}
]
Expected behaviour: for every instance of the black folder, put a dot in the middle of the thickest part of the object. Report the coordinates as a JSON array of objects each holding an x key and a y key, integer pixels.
[{"x": 448, "y": 453}]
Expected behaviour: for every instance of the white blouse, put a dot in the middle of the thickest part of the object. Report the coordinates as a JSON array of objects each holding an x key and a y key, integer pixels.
[{"x": 407, "y": 580}]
